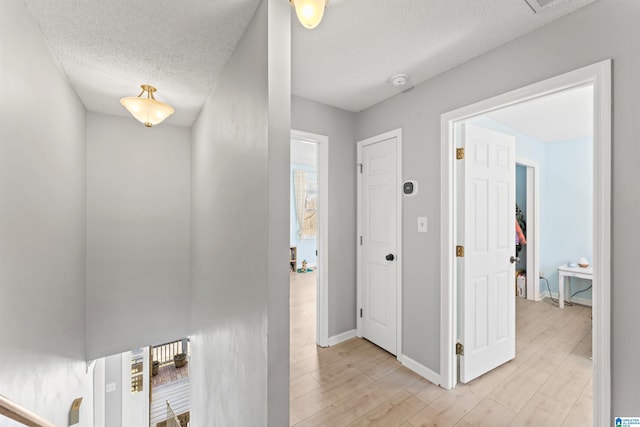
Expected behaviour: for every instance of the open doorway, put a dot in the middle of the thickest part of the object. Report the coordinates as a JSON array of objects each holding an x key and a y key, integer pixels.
[
  {"x": 303, "y": 240},
  {"x": 553, "y": 186},
  {"x": 553, "y": 137},
  {"x": 170, "y": 390},
  {"x": 308, "y": 261},
  {"x": 528, "y": 200},
  {"x": 599, "y": 78}
]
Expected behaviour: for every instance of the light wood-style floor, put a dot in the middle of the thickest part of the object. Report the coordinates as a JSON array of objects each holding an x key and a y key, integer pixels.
[{"x": 358, "y": 384}]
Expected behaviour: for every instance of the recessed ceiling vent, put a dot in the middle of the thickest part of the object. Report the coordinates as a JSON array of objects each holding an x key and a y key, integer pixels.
[{"x": 538, "y": 5}]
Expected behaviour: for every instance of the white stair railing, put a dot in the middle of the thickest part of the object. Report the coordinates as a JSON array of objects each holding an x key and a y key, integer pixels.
[{"x": 17, "y": 413}]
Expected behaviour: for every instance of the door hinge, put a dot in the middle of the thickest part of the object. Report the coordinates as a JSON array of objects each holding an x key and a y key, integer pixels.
[
  {"x": 459, "y": 349},
  {"x": 360, "y": 312},
  {"x": 316, "y": 252},
  {"x": 459, "y": 153},
  {"x": 360, "y": 240},
  {"x": 360, "y": 166},
  {"x": 459, "y": 251}
]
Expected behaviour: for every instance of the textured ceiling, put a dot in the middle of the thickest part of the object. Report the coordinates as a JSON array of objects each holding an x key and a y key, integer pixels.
[
  {"x": 347, "y": 60},
  {"x": 559, "y": 117},
  {"x": 109, "y": 47}
]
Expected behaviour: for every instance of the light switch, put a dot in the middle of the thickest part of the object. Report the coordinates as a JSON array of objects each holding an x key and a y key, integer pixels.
[
  {"x": 422, "y": 224},
  {"x": 111, "y": 387}
]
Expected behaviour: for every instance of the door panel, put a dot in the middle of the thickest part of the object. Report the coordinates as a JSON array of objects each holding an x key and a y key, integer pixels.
[
  {"x": 377, "y": 306},
  {"x": 487, "y": 300},
  {"x": 378, "y": 218}
]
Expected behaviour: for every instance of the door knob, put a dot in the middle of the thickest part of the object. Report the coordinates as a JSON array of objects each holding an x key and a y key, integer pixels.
[
  {"x": 390, "y": 257},
  {"x": 514, "y": 259}
]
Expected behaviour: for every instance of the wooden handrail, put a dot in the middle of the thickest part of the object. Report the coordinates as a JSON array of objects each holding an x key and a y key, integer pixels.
[{"x": 17, "y": 413}]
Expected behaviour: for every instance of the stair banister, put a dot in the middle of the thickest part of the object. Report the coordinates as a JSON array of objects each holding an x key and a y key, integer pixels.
[{"x": 24, "y": 416}]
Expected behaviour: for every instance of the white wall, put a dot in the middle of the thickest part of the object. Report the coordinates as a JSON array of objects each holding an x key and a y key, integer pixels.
[
  {"x": 99, "y": 393},
  {"x": 138, "y": 234},
  {"x": 604, "y": 29},
  {"x": 120, "y": 407},
  {"x": 339, "y": 126},
  {"x": 135, "y": 406},
  {"x": 279, "y": 138},
  {"x": 42, "y": 227},
  {"x": 240, "y": 352},
  {"x": 113, "y": 399},
  {"x": 566, "y": 230}
]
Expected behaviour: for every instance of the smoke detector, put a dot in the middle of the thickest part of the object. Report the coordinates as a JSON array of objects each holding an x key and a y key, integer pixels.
[{"x": 399, "y": 80}]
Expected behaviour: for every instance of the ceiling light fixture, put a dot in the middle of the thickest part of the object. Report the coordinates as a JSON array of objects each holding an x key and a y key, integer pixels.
[
  {"x": 147, "y": 110},
  {"x": 310, "y": 12}
]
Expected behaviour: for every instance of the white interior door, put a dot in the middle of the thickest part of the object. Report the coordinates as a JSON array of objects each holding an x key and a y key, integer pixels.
[
  {"x": 487, "y": 291},
  {"x": 379, "y": 243}
]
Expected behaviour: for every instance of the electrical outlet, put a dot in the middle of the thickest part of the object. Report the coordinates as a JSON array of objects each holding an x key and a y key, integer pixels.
[
  {"x": 111, "y": 387},
  {"x": 422, "y": 224}
]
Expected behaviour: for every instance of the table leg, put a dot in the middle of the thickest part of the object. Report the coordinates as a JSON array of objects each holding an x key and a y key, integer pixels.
[
  {"x": 569, "y": 286},
  {"x": 561, "y": 290}
]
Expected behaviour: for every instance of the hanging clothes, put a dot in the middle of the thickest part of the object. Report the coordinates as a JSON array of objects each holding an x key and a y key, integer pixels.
[
  {"x": 521, "y": 230},
  {"x": 521, "y": 239}
]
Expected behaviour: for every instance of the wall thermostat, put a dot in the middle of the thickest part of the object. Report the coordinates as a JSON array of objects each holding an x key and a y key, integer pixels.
[{"x": 410, "y": 188}]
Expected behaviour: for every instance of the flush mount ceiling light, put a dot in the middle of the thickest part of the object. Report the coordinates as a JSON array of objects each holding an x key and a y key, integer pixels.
[
  {"x": 310, "y": 12},
  {"x": 147, "y": 110}
]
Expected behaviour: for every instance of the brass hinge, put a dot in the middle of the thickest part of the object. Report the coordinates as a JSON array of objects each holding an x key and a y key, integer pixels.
[
  {"x": 459, "y": 153},
  {"x": 459, "y": 349},
  {"x": 460, "y": 251}
]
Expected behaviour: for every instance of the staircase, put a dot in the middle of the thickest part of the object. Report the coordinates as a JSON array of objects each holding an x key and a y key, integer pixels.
[{"x": 17, "y": 413}]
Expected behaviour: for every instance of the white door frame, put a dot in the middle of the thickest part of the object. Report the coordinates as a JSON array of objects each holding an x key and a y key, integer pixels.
[
  {"x": 533, "y": 227},
  {"x": 397, "y": 133},
  {"x": 322, "y": 279},
  {"x": 599, "y": 76}
]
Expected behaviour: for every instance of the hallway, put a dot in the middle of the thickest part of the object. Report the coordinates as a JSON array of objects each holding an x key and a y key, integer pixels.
[{"x": 358, "y": 384}]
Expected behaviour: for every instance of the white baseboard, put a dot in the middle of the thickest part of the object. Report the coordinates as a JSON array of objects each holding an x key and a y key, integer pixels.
[
  {"x": 577, "y": 300},
  {"x": 345, "y": 336},
  {"x": 420, "y": 369}
]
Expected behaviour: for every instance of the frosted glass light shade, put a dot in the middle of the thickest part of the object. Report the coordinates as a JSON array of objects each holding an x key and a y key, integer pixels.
[
  {"x": 310, "y": 12},
  {"x": 148, "y": 111}
]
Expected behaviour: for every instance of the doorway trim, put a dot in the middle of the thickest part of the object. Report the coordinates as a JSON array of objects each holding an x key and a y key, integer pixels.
[
  {"x": 322, "y": 281},
  {"x": 533, "y": 226},
  {"x": 396, "y": 133},
  {"x": 599, "y": 76}
]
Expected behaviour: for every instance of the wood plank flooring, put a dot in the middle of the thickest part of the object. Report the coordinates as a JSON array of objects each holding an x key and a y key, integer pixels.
[
  {"x": 358, "y": 384},
  {"x": 168, "y": 373}
]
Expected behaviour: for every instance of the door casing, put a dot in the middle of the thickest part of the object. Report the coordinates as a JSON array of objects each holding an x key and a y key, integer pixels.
[
  {"x": 599, "y": 76},
  {"x": 397, "y": 133}
]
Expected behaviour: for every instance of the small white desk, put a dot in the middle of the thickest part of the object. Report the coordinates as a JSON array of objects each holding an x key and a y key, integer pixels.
[{"x": 565, "y": 271}]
